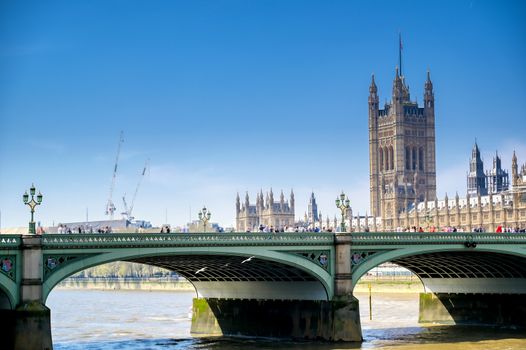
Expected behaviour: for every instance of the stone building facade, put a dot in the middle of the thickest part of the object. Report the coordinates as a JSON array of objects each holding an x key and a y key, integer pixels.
[
  {"x": 506, "y": 209},
  {"x": 401, "y": 149},
  {"x": 265, "y": 211}
]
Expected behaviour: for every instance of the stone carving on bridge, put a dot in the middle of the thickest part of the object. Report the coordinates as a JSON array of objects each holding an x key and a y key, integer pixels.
[
  {"x": 320, "y": 258},
  {"x": 7, "y": 266}
]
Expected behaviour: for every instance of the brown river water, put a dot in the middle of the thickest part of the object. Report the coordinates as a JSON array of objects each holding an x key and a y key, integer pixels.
[{"x": 111, "y": 320}]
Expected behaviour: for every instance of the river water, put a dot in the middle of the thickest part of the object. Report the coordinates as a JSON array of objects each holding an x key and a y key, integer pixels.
[{"x": 111, "y": 320}]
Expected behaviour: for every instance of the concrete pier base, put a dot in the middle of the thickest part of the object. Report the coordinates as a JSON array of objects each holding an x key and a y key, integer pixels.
[
  {"x": 26, "y": 328},
  {"x": 337, "y": 320},
  {"x": 488, "y": 309}
]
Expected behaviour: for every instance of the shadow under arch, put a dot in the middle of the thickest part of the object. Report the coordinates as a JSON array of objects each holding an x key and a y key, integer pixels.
[
  {"x": 485, "y": 285},
  {"x": 455, "y": 262},
  {"x": 412, "y": 276},
  {"x": 263, "y": 275}
]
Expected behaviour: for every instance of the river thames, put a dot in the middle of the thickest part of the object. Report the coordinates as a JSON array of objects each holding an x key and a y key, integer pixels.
[{"x": 111, "y": 320}]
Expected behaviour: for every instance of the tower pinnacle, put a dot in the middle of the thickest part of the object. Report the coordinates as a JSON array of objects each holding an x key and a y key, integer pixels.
[{"x": 372, "y": 88}]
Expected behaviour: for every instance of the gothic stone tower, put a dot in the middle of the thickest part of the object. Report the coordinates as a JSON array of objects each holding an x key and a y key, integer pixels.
[
  {"x": 401, "y": 149},
  {"x": 476, "y": 178}
]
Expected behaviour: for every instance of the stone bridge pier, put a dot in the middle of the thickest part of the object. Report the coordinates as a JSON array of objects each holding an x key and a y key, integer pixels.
[{"x": 27, "y": 324}]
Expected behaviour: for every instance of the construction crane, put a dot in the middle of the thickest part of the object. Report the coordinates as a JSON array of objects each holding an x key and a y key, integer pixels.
[
  {"x": 110, "y": 207},
  {"x": 128, "y": 211}
]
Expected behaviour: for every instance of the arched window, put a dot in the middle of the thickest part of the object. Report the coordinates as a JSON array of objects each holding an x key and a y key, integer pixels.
[
  {"x": 391, "y": 158},
  {"x": 407, "y": 158},
  {"x": 381, "y": 159},
  {"x": 421, "y": 158},
  {"x": 386, "y": 159},
  {"x": 413, "y": 158}
]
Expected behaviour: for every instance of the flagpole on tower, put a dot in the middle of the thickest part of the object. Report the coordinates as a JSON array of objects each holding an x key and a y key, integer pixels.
[{"x": 400, "y": 51}]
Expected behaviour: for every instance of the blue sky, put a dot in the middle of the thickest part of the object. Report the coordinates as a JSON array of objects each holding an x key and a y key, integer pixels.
[{"x": 227, "y": 96}]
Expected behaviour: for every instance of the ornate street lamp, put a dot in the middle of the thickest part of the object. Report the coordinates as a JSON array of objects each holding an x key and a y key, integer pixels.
[
  {"x": 32, "y": 204},
  {"x": 343, "y": 204},
  {"x": 204, "y": 216}
]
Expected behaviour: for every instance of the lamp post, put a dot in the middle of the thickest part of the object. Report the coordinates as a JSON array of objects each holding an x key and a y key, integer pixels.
[
  {"x": 343, "y": 204},
  {"x": 32, "y": 204},
  {"x": 204, "y": 217}
]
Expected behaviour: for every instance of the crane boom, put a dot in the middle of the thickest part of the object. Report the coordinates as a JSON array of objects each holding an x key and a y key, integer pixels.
[
  {"x": 110, "y": 207},
  {"x": 146, "y": 165},
  {"x": 126, "y": 211}
]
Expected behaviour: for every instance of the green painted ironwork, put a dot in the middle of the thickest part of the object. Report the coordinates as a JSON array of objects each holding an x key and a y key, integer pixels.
[
  {"x": 276, "y": 251},
  {"x": 10, "y": 241},
  {"x": 53, "y": 262},
  {"x": 320, "y": 257},
  {"x": 358, "y": 257}
]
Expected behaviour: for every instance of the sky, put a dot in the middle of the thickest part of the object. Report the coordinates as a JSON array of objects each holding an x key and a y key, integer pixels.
[{"x": 235, "y": 96}]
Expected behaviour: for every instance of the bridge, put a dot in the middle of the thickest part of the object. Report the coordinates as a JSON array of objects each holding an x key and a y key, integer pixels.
[{"x": 295, "y": 285}]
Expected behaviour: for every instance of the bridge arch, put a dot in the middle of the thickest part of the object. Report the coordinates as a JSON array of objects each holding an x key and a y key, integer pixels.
[
  {"x": 267, "y": 272},
  {"x": 486, "y": 269},
  {"x": 8, "y": 293}
]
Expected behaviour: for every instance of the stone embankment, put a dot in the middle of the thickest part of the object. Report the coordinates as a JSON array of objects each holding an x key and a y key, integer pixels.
[
  {"x": 140, "y": 284},
  {"x": 170, "y": 285}
]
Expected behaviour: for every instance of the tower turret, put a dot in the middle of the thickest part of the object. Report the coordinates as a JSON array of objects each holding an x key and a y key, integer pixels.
[
  {"x": 398, "y": 94},
  {"x": 429, "y": 97},
  {"x": 401, "y": 144},
  {"x": 476, "y": 178},
  {"x": 373, "y": 99},
  {"x": 497, "y": 178},
  {"x": 238, "y": 205},
  {"x": 313, "y": 209},
  {"x": 514, "y": 170},
  {"x": 292, "y": 200},
  {"x": 247, "y": 204}
]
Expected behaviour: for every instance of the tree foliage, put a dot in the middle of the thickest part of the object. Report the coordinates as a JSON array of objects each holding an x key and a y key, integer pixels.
[{"x": 125, "y": 269}]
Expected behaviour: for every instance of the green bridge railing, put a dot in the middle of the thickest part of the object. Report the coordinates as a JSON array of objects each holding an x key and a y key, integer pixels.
[
  {"x": 10, "y": 241},
  {"x": 184, "y": 239},
  {"x": 383, "y": 238},
  {"x": 74, "y": 240}
]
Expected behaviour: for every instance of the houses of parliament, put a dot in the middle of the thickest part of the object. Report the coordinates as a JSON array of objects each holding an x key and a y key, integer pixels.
[
  {"x": 403, "y": 173},
  {"x": 403, "y": 179}
]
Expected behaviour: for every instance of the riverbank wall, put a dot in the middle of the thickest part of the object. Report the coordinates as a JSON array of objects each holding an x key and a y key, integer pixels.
[
  {"x": 127, "y": 284},
  {"x": 170, "y": 285}
]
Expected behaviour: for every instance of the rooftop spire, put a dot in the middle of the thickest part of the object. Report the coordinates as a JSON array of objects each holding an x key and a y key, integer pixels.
[
  {"x": 428, "y": 85},
  {"x": 372, "y": 88}
]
